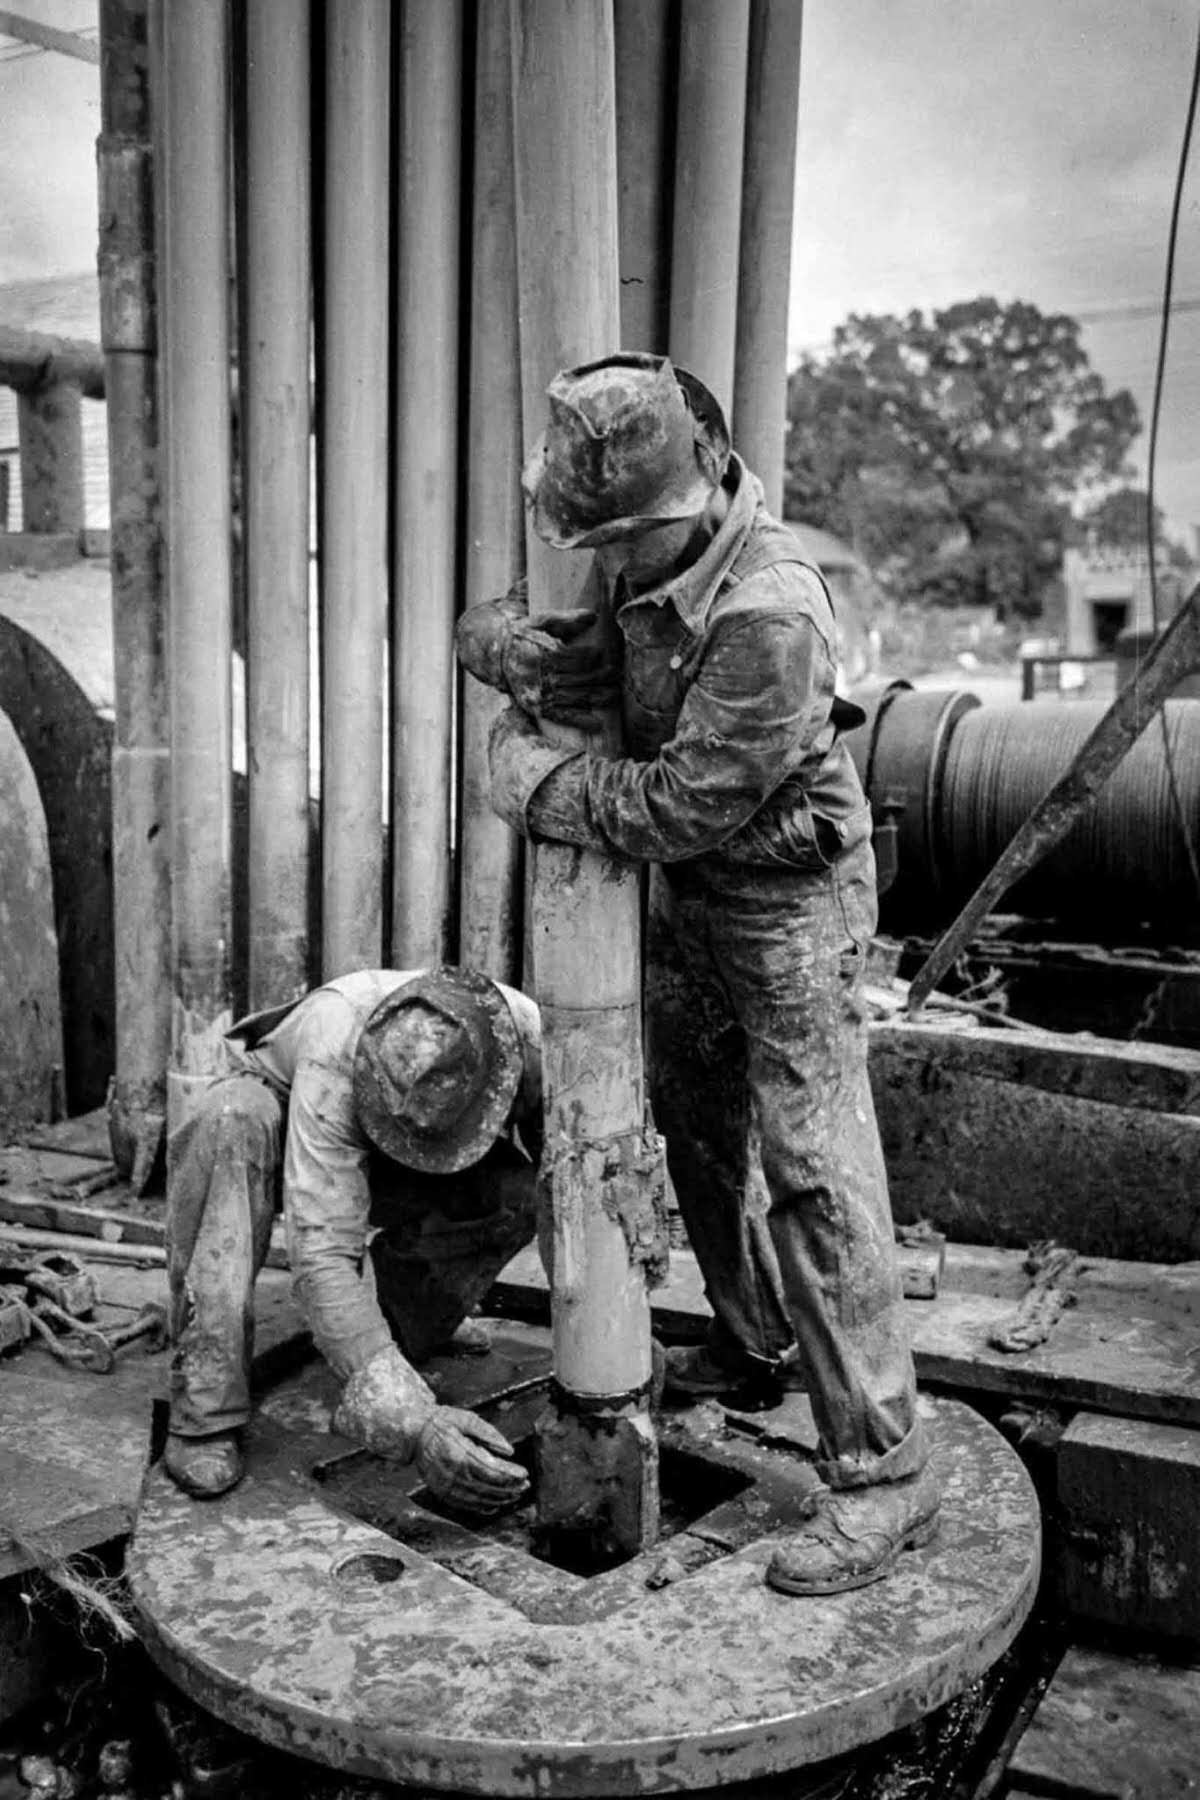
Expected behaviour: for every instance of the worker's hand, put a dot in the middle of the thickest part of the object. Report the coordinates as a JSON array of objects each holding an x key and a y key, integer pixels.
[
  {"x": 385, "y": 1406},
  {"x": 561, "y": 668},
  {"x": 467, "y": 1463},
  {"x": 520, "y": 759}
]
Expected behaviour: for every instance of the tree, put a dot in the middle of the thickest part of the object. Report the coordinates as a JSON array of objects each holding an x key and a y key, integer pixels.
[
  {"x": 949, "y": 448},
  {"x": 1118, "y": 521}
]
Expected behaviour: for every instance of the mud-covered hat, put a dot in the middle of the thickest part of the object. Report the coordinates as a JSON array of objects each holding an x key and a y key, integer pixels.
[
  {"x": 632, "y": 442},
  {"x": 436, "y": 1070}
]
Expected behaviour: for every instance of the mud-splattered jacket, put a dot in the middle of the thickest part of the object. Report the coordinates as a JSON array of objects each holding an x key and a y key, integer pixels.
[
  {"x": 330, "y": 1169},
  {"x": 731, "y": 724}
]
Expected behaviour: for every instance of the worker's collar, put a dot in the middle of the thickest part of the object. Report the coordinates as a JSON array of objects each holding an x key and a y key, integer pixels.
[{"x": 691, "y": 591}]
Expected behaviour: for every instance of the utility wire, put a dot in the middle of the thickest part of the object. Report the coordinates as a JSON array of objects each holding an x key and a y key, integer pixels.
[
  {"x": 1152, "y": 452},
  {"x": 1165, "y": 324}
]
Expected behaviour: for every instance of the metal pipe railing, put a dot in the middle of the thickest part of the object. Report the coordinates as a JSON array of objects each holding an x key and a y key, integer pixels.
[
  {"x": 424, "y": 592},
  {"x": 29, "y": 359},
  {"x": 140, "y": 754},
  {"x": 645, "y": 73},
  {"x": 764, "y": 278},
  {"x": 274, "y": 395},
  {"x": 585, "y": 908},
  {"x": 50, "y": 431},
  {"x": 196, "y": 358},
  {"x": 353, "y": 425},
  {"x": 711, "y": 112},
  {"x": 494, "y": 555}
]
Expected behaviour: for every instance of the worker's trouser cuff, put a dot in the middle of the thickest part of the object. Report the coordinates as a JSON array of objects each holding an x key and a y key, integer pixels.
[
  {"x": 906, "y": 1458},
  {"x": 739, "y": 1359},
  {"x": 208, "y": 1387}
]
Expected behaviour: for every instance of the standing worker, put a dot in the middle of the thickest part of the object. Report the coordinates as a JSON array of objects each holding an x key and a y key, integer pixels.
[
  {"x": 404, "y": 1103},
  {"x": 701, "y": 612}
]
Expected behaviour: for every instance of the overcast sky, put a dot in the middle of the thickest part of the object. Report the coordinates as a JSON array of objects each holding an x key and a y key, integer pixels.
[{"x": 948, "y": 148}]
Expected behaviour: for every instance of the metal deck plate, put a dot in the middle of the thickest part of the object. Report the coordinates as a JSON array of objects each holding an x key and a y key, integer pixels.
[{"x": 454, "y": 1660}]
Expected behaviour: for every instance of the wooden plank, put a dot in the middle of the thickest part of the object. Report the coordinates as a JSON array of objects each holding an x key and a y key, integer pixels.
[
  {"x": 43, "y": 1213},
  {"x": 73, "y": 1445},
  {"x": 31, "y": 1169},
  {"x": 1113, "y": 1729},
  {"x": 1129, "y": 1502},
  {"x": 1129, "y": 1351},
  {"x": 84, "y": 1135},
  {"x": 1007, "y": 1164},
  {"x": 1153, "y": 1077},
  {"x": 1126, "y": 1347},
  {"x": 97, "y": 1233}
]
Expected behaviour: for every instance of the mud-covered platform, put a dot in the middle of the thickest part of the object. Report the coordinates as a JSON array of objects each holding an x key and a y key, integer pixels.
[{"x": 328, "y": 1609}]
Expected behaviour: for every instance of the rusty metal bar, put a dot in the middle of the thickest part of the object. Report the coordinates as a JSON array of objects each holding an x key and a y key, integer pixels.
[
  {"x": 489, "y": 853},
  {"x": 196, "y": 365},
  {"x": 645, "y": 62},
  {"x": 1175, "y": 654},
  {"x": 50, "y": 433},
  {"x": 354, "y": 480},
  {"x": 140, "y": 754},
  {"x": 424, "y": 597},
  {"x": 30, "y": 359},
  {"x": 597, "y": 1456},
  {"x": 275, "y": 417},
  {"x": 711, "y": 110},
  {"x": 764, "y": 277}
]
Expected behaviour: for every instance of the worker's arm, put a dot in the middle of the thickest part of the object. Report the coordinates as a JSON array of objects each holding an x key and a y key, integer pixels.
[
  {"x": 761, "y": 695},
  {"x": 562, "y": 668},
  {"x": 326, "y": 1205},
  {"x": 385, "y": 1404}
]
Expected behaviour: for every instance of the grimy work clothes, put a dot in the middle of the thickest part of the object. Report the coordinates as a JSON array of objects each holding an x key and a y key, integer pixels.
[
  {"x": 740, "y": 789},
  {"x": 279, "y": 1131}
]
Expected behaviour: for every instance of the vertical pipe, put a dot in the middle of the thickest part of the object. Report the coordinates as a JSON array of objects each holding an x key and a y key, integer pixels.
[
  {"x": 768, "y": 193},
  {"x": 711, "y": 110},
  {"x": 50, "y": 434},
  {"x": 199, "y": 531},
  {"x": 140, "y": 754},
  {"x": 598, "y": 1453},
  {"x": 426, "y": 495},
  {"x": 489, "y": 893},
  {"x": 354, "y": 480},
  {"x": 645, "y": 40},
  {"x": 275, "y": 424}
]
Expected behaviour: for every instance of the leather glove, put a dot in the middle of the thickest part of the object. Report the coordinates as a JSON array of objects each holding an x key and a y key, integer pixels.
[
  {"x": 387, "y": 1408},
  {"x": 560, "y": 668},
  {"x": 520, "y": 759},
  {"x": 467, "y": 1463}
]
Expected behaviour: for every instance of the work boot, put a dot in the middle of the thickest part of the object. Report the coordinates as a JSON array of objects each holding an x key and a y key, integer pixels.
[
  {"x": 204, "y": 1467},
  {"x": 472, "y": 1338},
  {"x": 856, "y": 1536},
  {"x": 694, "y": 1372}
]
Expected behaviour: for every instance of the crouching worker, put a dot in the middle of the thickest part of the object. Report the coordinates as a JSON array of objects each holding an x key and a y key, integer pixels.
[{"x": 404, "y": 1105}]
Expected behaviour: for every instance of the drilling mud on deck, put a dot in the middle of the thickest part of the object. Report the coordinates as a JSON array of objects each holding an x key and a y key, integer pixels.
[{"x": 329, "y": 1612}]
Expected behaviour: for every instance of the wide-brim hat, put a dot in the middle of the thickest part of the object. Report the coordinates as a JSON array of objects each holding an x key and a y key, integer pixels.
[
  {"x": 633, "y": 442},
  {"x": 438, "y": 1112}
]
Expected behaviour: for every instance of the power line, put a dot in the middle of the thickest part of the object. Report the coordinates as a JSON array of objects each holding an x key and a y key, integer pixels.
[
  {"x": 1152, "y": 452},
  {"x": 1165, "y": 326}
]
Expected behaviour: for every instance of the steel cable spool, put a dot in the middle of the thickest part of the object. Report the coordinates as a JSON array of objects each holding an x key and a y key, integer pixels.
[
  {"x": 874, "y": 697},
  {"x": 912, "y": 737},
  {"x": 1124, "y": 865}
]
